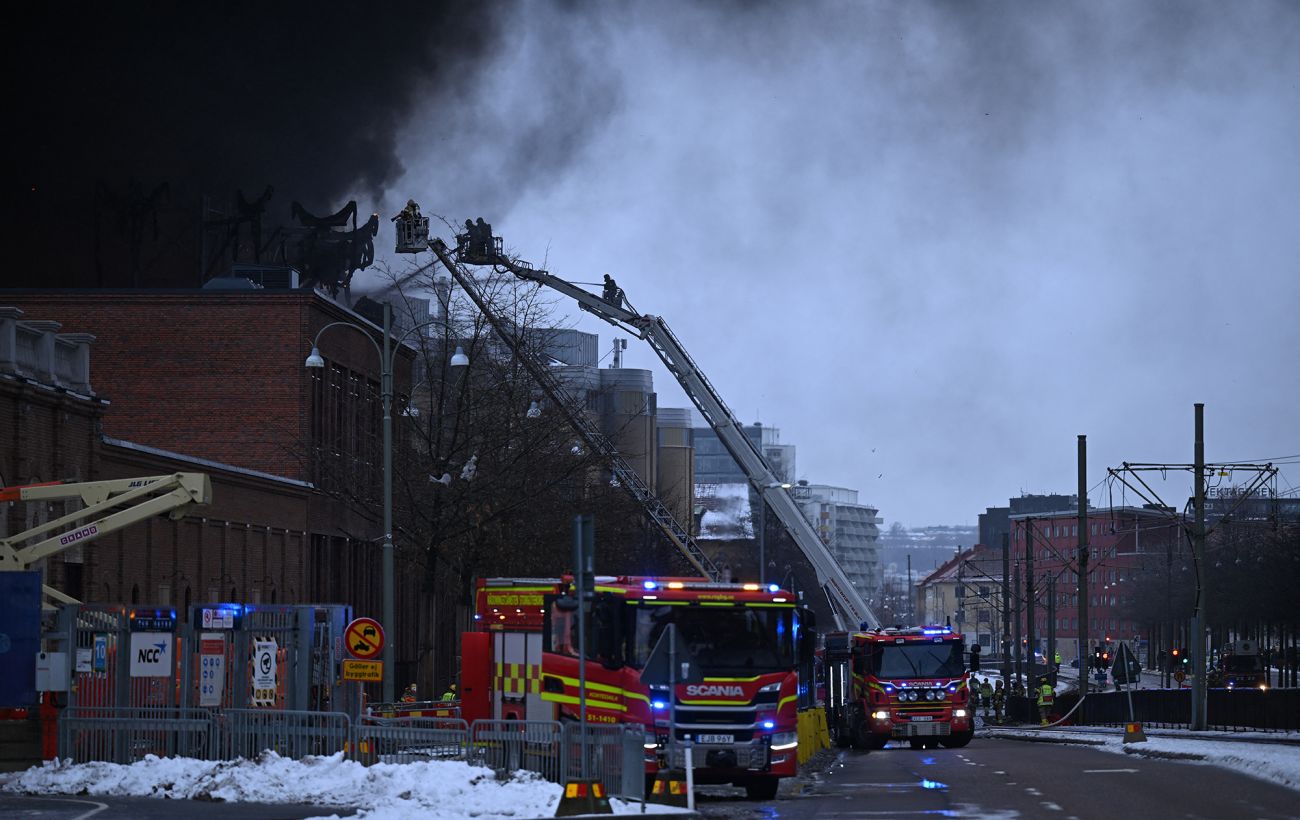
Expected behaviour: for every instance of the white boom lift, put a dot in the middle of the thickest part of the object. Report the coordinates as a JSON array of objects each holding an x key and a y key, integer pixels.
[
  {"x": 109, "y": 506},
  {"x": 478, "y": 247}
]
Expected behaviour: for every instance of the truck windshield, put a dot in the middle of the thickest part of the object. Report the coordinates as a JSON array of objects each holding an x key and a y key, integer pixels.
[
  {"x": 917, "y": 660},
  {"x": 1242, "y": 663},
  {"x": 723, "y": 640}
]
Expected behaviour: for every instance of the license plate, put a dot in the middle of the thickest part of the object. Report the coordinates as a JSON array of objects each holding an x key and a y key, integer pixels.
[
  {"x": 922, "y": 718},
  {"x": 715, "y": 738}
]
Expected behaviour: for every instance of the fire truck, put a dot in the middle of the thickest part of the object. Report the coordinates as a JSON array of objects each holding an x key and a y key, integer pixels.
[
  {"x": 1241, "y": 667},
  {"x": 898, "y": 683},
  {"x": 749, "y": 641}
]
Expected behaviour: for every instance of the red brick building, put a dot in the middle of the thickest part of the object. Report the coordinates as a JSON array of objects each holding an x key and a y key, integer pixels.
[
  {"x": 108, "y": 384},
  {"x": 1122, "y": 541}
]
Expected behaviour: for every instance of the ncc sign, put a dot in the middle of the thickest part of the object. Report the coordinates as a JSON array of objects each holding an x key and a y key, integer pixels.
[{"x": 151, "y": 655}]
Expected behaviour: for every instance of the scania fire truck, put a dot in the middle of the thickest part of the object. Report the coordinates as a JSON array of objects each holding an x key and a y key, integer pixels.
[
  {"x": 749, "y": 641},
  {"x": 898, "y": 683}
]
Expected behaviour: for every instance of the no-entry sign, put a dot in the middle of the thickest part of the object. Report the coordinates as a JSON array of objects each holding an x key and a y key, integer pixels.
[{"x": 364, "y": 638}]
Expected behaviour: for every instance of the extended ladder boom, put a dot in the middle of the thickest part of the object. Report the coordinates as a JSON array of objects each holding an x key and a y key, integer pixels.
[
  {"x": 627, "y": 477},
  {"x": 134, "y": 500},
  {"x": 847, "y": 602}
]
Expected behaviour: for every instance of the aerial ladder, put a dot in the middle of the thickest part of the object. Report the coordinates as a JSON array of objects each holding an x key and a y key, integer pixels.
[
  {"x": 477, "y": 246},
  {"x": 622, "y": 472},
  {"x": 109, "y": 506}
]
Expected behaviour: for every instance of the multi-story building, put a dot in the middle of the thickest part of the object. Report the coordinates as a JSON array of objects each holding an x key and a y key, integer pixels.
[
  {"x": 1123, "y": 541},
  {"x": 850, "y": 530},
  {"x": 965, "y": 592}
]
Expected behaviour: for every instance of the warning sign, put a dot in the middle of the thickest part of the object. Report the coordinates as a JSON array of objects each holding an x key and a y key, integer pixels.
[
  {"x": 368, "y": 671},
  {"x": 264, "y": 673},
  {"x": 364, "y": 638},
  {"x": 212, "y": 668}
]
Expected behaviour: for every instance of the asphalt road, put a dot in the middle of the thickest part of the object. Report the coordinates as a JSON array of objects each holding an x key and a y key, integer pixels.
[
  {"x": 150, "y": 808},
  {"x": 994, "y": 778}
]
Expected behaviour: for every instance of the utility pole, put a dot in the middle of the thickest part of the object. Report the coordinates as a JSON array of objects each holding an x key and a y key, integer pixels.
[
  {"x": 1082, "y": 632},
  {"x": 1015, "y": 626},
  {"x": 1264, "y": 481},
  {"x": 1006, "y": 609},
  {"x": 1199, "y": 619},
  {"x": 911, "y": 593},
  {"x": 1050, "y": 655},
  {"x": 1030, "y": 645}
]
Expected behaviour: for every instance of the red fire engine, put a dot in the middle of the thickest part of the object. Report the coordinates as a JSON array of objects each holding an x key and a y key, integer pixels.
[
  {"x": 898, "y": 683},
  {"x": 749, "y": 641}
]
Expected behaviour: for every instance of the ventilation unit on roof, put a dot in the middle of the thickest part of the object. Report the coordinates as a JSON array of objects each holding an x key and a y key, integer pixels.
[{"x": 271, "y": 277}]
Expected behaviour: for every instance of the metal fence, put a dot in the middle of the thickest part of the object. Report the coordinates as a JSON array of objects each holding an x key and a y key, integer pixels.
[
  {"x": 1226, "y": 709},
  {"x": 128, "y": 734},
  {"x": 614, "y": 754}
]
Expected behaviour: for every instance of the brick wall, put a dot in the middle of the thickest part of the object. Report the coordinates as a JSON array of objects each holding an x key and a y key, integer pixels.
[{"x": 212, "y": 374}]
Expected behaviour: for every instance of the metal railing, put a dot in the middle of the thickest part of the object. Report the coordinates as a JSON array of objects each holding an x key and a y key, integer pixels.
[{"x": 614, "y": 754}]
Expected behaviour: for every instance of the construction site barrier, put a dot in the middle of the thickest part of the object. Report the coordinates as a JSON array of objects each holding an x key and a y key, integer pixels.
[{"x": 614, "y": 756}]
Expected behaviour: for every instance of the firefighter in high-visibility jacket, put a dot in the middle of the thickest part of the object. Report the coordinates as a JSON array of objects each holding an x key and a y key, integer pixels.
[{"x": 1046, "y": 697}]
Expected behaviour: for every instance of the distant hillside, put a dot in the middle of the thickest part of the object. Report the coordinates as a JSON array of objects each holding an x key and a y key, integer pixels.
[{"x": 928, "y": 546}]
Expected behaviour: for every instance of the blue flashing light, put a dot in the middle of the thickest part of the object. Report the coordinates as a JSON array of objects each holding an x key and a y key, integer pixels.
[
  {"x": 944, "y": 631},
  {"x": 650, "y": 584},
  {"x": 478, "y": 617},
  {"x": 769, "y": 724},
  {"x": 773, "y": 588},
  {"x": 659, "y": 705},
  {"x": 952, "y": 688},
  {"x": 888, "y": 688}
]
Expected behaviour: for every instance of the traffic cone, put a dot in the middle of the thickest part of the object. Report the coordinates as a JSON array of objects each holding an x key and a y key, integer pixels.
[
  {"x": 1133, "y": 733},
  {"x": 669, "y": 788},
  {"x": 583, "y": 797}
]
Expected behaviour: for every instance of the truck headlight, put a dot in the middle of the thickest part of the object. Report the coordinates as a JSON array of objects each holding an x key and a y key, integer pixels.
[
  {"x": 784, "y": 740},
  {"x": 958, "y": 713},
  {"x": 881, "y": 715}
]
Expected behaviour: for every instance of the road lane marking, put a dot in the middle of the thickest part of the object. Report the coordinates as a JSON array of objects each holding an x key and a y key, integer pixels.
[
  {"x": 1109, "y": 771},
  {"x": 1050, "y": 805},
  {"x": 1033, "y": 791}
]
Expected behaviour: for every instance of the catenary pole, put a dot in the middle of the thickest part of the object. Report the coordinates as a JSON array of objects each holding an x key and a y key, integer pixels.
[
  {"x": 1006, "y": 609},
  {"x": 1200, "y": 621},
  {"x": 1030, "y": 637},
  {"x": 1082, "y": 632}
]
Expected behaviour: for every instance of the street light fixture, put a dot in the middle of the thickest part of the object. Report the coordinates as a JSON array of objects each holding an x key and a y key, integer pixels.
[{"x": 386, "y": 356}]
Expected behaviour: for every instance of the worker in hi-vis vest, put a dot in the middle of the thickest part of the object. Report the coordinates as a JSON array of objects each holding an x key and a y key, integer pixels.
[{"x": 1046, "y": 697}]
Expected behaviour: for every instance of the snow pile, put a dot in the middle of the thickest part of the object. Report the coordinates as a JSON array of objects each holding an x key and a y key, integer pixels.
[{"x": 436, "y": 789}]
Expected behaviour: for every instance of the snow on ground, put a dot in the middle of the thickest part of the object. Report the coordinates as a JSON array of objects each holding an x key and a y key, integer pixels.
[
  {"x": 1275, "y": 762},
  {"x": 445, "y": 790}
]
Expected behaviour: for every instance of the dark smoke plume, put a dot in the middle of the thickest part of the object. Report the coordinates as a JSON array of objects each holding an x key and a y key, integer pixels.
[{"x": 127, "y": 116}]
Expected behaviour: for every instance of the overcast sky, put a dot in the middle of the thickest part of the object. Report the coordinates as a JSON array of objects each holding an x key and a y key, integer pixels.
[{"x": 931, "y": 242}]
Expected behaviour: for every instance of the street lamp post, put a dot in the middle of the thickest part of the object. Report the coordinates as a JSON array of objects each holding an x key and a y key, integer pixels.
[{"x": 386, "y": 356}]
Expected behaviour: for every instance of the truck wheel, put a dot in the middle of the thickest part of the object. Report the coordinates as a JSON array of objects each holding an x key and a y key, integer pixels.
[
  {"x": 957, "y": 740},
  {"x": 761, "y": 788}
]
